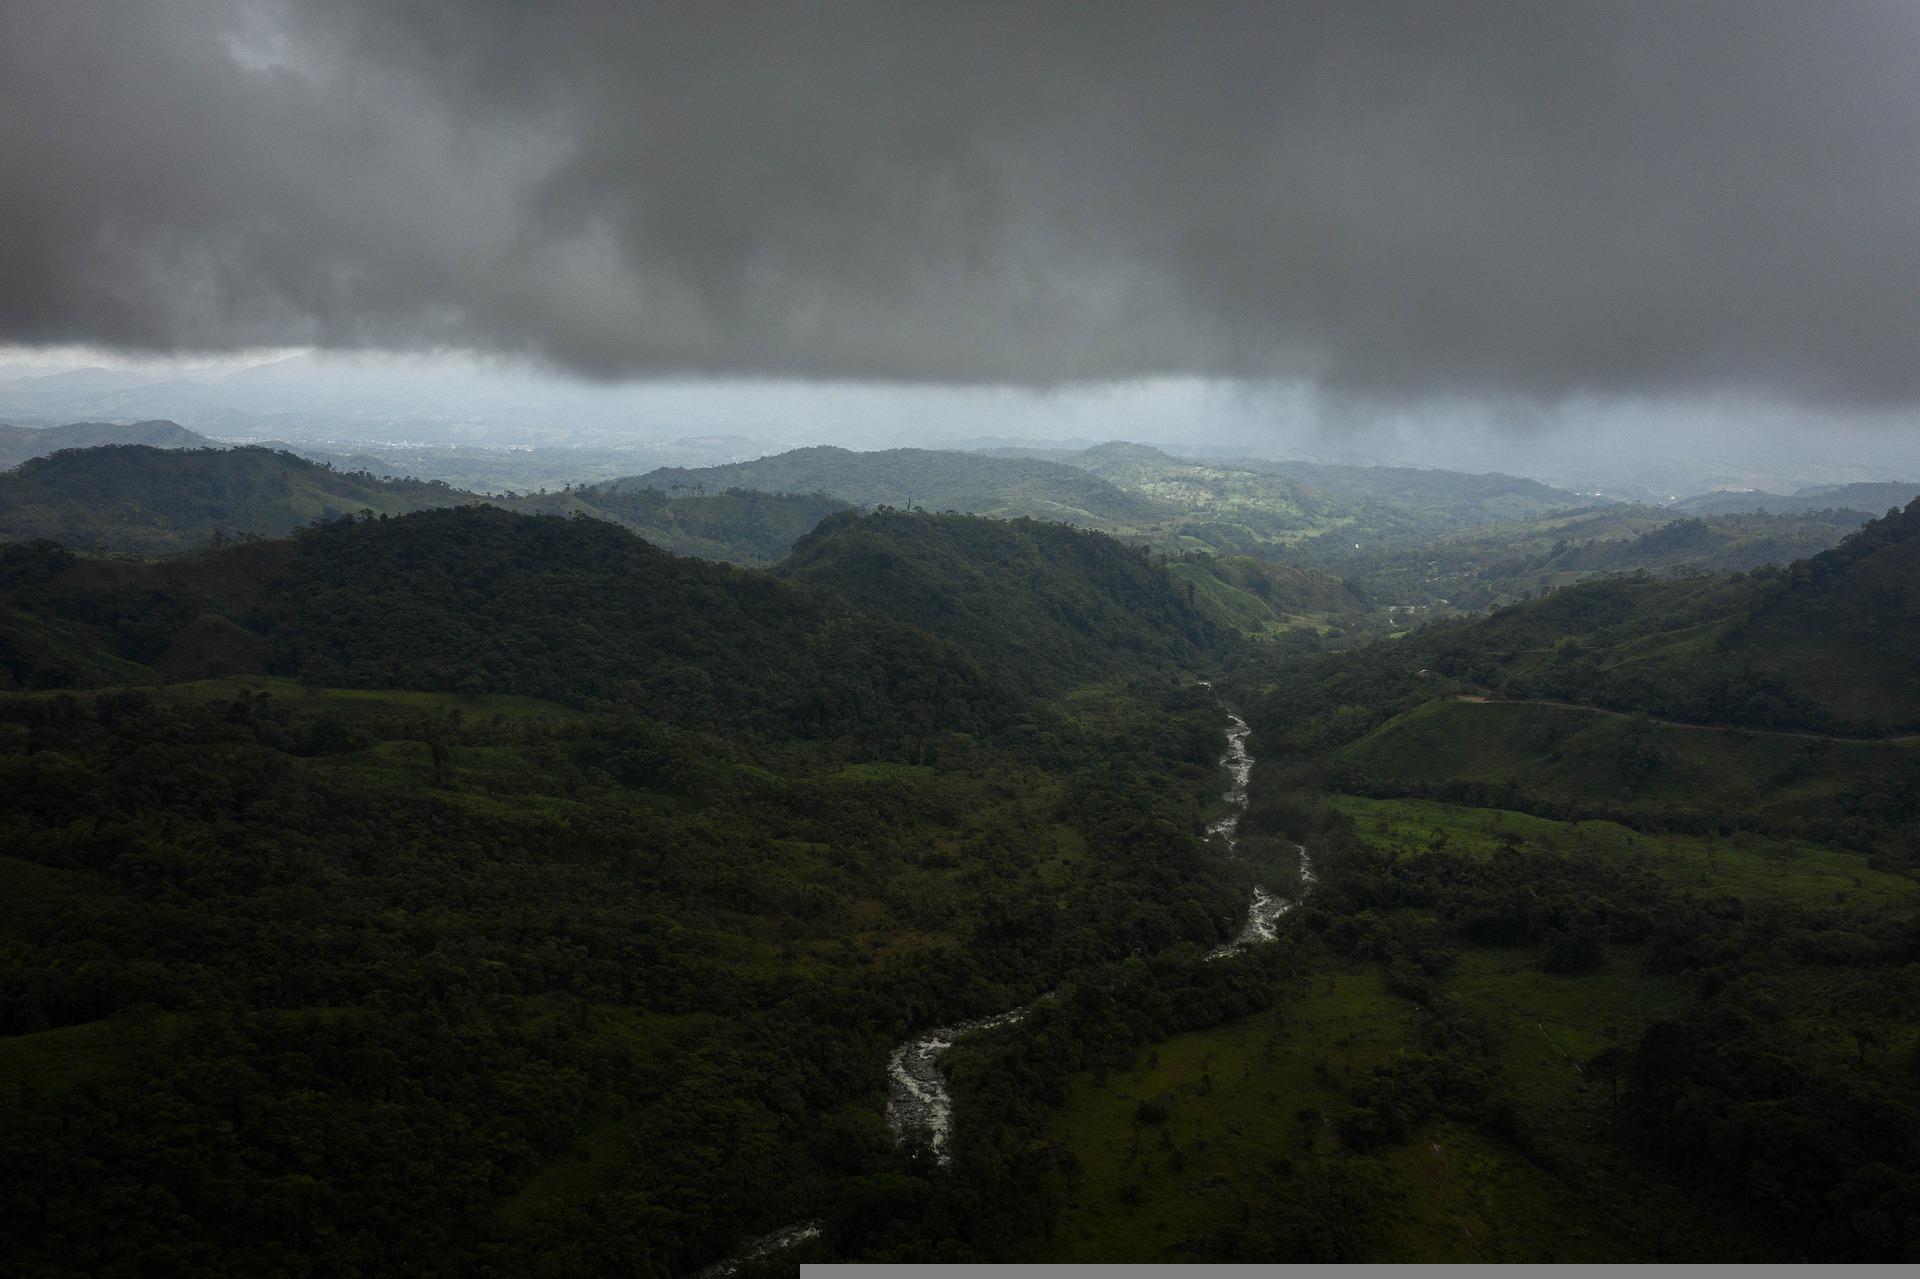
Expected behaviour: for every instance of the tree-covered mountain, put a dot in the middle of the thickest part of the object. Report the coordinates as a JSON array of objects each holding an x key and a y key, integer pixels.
[
  {"x": 544, "y": 901},
  {"x": 1817, "y": 647},
  {"x": 18, "y": 443},
  {"x": 145, "y": 500},
  {"x": 926, "y": 479},
  {"x": 482, "y": 468},
  {"x": 476, "y": 599},
  {"x": 1820, "y": 645},
  {"x": 1041, "y": 603},
  {"x": 740, "y": 526}
]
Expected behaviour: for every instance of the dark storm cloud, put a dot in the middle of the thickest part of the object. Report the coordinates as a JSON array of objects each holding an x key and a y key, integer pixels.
[{"x": 1392, "y": 200}]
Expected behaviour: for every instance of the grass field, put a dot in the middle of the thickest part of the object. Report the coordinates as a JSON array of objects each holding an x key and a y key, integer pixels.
[
  {"x": 1220, "y": 1143},
  {"x": 1569, "y": 755},
  {"x": 1246, "y": 1162},
  {"x": 1742, "y": 864}
]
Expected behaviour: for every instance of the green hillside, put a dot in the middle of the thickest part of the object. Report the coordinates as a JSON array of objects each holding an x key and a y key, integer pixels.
[
  {"x": 926, "y": 479},
  {"x": 1040, "y": 603},
  {"x": 408, "y": 892},
  {"x": 1223, "y": 505},
  {"x": 18, "y": 443},
  {"x": 1838, "y": 629},
  {"x": 1287, "y": 502},
  {"x": 1576, "y": 980},
  {"x": 1259, "y": 597},
  {"x": 1425, "y": 500},
  {"x": 1782, "y": 700},
  {"x": 1819, "y": 646},
  {"x": 143, "y": 500},
  {"x": 740, "y": 526},
  {"x": 1473, "y": 569},
  {"x": 476, "y": 599}
]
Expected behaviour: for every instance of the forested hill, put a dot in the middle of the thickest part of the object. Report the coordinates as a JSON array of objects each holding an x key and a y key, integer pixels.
[
  {"x": 476, "y": 599},
  {"x": 147, "y": 500},
  {"x": 364, "y": 964},
  {"x": 1839, "y": 628},
  {"x": 929, "y": 479},
  {"x": 1823, "y": 645},
  {"x": 18, "y": 443},
  {"x": 1048, "y": 605}
]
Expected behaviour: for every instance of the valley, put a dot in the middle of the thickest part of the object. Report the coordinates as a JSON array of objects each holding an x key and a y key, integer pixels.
[{"x": 882, "y": 884}]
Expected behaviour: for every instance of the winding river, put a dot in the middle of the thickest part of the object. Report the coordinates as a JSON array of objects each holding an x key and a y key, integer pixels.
[
  {"x": 917, "y": 1096},
  {"x": 1266, "y": 908}
]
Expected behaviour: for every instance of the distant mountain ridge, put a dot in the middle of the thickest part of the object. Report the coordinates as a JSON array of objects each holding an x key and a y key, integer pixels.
[
  {"x": 1489, "y": 565},
  {"x": 1268, "y": 509},
  {"x": 134, "y": 497},
  {"x": 928, "y": 479},
  {"x": 1869, "y": 498},
  {"x": 19, "y": 443},
  {"x": 1232, "y": 507},
  {"x": 145, "y": 500}
]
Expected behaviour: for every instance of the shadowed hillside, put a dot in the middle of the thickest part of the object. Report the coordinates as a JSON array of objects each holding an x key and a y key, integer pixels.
[
  {"x": 1042, "y": 603},
  {"x": 1259, "y": 597},
  {"x": 148, "y": 501},
  {"x": 1821, "y": 647},
  {"x": 477, "y": 599},
  {"x": 141, "y": 499}
]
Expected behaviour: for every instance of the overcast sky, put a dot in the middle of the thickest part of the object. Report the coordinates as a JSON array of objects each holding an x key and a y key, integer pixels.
[{"x": 1517, "y": 206}]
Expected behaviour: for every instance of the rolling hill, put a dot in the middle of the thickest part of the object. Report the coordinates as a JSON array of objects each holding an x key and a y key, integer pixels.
[
  {"x": 926, "y": 479},
  {"x": 1258, "y": 597},
  {"x": 144, "y": 500},
  {"x": 411, "y": 889},
  {"x": 473, "y": 599},
  {"x": 1820, "y": 647},
  {"x": 1238, "y": 505},
  {"x": 19, "y": 443},
  {"x": 1045, "y": 605}
]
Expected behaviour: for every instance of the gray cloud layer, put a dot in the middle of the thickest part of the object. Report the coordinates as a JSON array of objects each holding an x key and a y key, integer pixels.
[{"x": 1390, "y": 200}]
